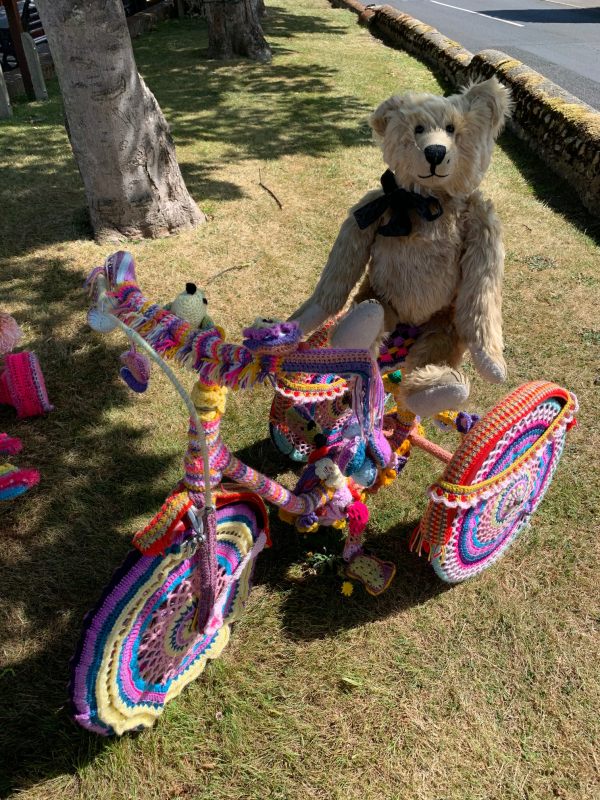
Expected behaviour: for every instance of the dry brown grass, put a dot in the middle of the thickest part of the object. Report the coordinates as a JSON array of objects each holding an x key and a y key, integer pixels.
[{"x": 487, "y": 691}]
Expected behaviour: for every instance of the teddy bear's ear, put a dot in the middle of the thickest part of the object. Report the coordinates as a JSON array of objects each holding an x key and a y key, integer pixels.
[
  {"x": 492, "y": 97},
  {"x": 381, "y": 116}
]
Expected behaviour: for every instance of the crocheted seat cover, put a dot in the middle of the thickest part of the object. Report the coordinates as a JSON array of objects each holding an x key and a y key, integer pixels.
[
  {"x": 139, "y": 647},
  {"x": 495, "y": 481}
]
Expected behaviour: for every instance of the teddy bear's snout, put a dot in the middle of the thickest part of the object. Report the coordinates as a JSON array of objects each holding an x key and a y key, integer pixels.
[{"x": 435, "y": 154}]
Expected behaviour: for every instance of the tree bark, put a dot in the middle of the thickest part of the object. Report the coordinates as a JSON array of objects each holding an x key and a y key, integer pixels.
[
  {"x": 234, "y": 29},
  {"x": 120, "y": 138}
]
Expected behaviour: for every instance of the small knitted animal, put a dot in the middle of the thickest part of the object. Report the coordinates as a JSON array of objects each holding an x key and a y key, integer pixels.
[{"x": 192, "y": 306}]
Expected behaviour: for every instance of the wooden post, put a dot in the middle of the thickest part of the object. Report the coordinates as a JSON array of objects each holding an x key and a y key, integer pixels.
[
  {"x": 5, "y": 106},
  {"x": 16, "y": 29}
]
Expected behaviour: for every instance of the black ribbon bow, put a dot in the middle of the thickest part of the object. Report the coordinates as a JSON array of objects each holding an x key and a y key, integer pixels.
[{"x": 400, "y": 201}]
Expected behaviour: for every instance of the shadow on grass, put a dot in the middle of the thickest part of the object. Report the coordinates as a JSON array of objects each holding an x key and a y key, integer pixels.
[
  {"x": 306, "y": 112},
  {"x": 313, "y": 607},
  {"x": 549, "y": 188},
  {"x": 55, "y": 563}
]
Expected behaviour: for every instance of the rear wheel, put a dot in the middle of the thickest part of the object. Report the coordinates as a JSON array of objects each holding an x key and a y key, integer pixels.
[{"x": 495, "y": 481}]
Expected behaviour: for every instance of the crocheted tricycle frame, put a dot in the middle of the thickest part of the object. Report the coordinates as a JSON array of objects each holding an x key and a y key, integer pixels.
[{"x": 169, "y": 607}]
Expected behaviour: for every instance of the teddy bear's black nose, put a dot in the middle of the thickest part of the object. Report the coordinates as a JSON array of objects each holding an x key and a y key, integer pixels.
[{"x": 435, "y": 153}]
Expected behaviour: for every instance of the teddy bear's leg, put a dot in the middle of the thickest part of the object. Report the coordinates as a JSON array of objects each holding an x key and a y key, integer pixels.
[
  {"x": 366, "y": 292},
  {"x": 361, "y": 328},
  {"x": 431, "y": 379}
]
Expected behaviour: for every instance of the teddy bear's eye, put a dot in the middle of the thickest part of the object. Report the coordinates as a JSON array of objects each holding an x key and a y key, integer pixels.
[
  {"x": 419, "y": 128},
  {"x": 449, "y": 128}
]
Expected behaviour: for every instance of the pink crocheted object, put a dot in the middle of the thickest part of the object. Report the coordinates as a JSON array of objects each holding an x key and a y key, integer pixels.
[
  {"x": 358, "y": 517},
  {"x": 15, "y": 481},
  {"x": 10, "y": 333},
  {"x": 22, "y": 385},
  {"x": 9, "y": 444}
]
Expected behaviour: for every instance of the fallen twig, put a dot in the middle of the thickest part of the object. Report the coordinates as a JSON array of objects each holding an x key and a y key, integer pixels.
[
  {"x": 228, "y": 269},
  {"x": 266, "y": 188}
]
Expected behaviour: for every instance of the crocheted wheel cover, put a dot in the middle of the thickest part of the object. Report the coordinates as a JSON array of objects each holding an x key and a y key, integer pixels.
[
  {"x": 138, "y": 649},
  {"x": 496, "y": 480}
]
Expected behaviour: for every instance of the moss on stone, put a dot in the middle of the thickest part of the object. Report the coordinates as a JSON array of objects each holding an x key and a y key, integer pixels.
[{"x": 576, "y": 113}]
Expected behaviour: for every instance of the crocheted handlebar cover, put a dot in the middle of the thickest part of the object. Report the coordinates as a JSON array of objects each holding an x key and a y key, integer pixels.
[{"x": 495, "y": 481}]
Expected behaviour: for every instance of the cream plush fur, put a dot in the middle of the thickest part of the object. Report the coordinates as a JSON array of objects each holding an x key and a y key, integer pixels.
[{"x": 447, "y": 273}]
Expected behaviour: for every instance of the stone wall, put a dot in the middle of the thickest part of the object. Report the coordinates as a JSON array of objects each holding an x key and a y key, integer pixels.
[{"x": 561, "y": 129}]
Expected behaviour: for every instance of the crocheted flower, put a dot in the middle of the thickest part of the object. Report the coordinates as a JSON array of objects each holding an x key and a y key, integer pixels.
[
  {"x": 464, "y": 421},
  {"x": 268, "y": 334},
  {"x": 10, "y": 333},
  {"x": 347, "y": 588},
  {"x": 308, "y": 523}
]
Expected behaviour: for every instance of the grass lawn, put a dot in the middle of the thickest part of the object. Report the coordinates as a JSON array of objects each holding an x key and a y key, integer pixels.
[{"x": 487, "y": 691}]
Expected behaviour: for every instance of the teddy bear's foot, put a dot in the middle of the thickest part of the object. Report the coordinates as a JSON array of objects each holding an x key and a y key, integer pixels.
[
  {"x": 309, "y": 317},
  {"x": 361, "y": 328},
  {"x": 450, "y": 392},
  {"x": 490, "y": 369}
]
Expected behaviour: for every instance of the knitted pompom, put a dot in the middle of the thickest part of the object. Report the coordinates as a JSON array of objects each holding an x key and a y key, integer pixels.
[
  {"x": 135, "y": 370},
  {"x": 10, "y": 333}
]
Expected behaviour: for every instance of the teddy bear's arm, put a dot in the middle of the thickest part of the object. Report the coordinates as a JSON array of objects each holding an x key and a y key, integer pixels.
[
  {"x": 346, "y": 264},
  {"x": 478, "y": 314}
]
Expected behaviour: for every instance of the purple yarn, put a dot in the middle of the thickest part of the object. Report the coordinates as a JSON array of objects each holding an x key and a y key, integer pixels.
[
  {"x": 132, "y": 381},
  {"x": 308, "y": 520},
  {"x": 276, "y": 335},
  {"x": 465, "y": 421},
  {"x": 206, "y": 554}
]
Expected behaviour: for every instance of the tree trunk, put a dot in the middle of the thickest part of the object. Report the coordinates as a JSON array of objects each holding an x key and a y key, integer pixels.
[
  {"x": 234, "y": 29},
  {"x": 120, "y": 138}
]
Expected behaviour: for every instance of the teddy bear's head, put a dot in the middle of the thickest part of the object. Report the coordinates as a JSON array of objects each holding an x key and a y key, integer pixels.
[{"x": 442, "y": 145}]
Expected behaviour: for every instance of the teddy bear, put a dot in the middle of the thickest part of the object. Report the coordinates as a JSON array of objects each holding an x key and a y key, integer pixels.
[{"x": 427, "y": 245}]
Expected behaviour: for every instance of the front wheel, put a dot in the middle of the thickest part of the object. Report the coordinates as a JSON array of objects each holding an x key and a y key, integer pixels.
[
  {"x": 495, "y": 481},
  {"x": 140, "y": 647}
]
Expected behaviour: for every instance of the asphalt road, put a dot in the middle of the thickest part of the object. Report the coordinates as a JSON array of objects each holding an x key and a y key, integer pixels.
[{"x": 560, "y": 39}]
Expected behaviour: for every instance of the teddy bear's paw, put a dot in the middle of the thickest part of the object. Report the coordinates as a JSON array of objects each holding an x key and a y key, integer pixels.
[
  {"x": 431, "y": 401},
  {"x": 491, "y": 369},
  {"x": 310, "y": 317},
  {"x": 360, "y": 328}
]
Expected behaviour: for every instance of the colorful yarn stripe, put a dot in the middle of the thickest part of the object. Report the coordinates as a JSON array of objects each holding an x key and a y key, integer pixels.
[
  {"x": 15, "y": 481},
  {"x": 367, "y": 389},
  {"x": 520, "y": 439},
  {"x": 158, "y": 533},
  {"x": 205, "y": 352},
  {"x": 193, "y": 462},
  {"x": 9, "y": 444},
  {"x": 22, "y": 385},
  {"x": 272, "y": 491}
]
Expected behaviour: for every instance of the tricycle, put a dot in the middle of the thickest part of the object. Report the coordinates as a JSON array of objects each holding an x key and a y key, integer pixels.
[{"x": 170, "y": 606}]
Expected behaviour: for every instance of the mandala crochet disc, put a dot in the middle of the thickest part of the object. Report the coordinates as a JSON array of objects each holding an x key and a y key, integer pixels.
[
  {"x": 496, "y": 480},
  {"x": 139, "y": 647}
]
